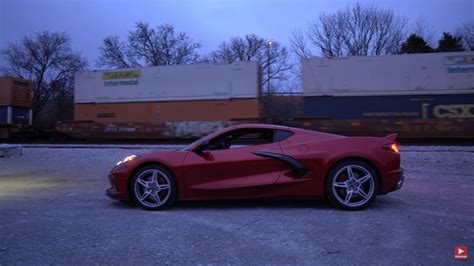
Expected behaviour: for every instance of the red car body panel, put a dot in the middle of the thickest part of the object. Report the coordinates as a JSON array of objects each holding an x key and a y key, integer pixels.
[{"x": 244, "y": 173}]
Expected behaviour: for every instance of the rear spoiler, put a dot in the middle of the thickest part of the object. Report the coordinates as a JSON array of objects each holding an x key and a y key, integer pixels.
[
  {"x": 391, "y": 137},
  {"x": 389, "y": 142}
]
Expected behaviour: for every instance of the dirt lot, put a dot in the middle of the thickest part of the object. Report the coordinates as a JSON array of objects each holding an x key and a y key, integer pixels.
[{"x": 53, "y": 211}]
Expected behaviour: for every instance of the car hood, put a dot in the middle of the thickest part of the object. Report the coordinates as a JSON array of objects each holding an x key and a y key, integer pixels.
[{"x": 171, "y": 159}]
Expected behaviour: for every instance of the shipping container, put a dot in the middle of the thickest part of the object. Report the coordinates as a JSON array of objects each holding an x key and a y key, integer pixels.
[
  {"x": 15, "y": 115},
  {"x": 168, "y": 83},
  {"x": 16, "y": 92},
  {"x": 155, "y": 112},
  {"x": 414, "y": 86},
  {"x": 391, "y": 107},
  {"x": 407, "y": 74}
]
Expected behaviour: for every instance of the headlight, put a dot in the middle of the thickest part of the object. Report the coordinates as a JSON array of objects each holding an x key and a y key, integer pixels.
[{"x": 127, "y": 159}]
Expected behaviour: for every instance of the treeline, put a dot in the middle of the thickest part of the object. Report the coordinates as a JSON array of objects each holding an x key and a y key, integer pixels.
[
  {"x": 358, "y": 30},
  {"x": 448, "y": 43}
]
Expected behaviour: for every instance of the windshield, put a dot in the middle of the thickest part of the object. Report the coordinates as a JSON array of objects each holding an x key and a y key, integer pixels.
[
  {"x": 187, "y": 147},
  {"x": 210, "y": 136}
]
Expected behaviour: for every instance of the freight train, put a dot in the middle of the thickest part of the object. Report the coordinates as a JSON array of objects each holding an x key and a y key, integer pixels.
[{"x": 420, "y": 96}]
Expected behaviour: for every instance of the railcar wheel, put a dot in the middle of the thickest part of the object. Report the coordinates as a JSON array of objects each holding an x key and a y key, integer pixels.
[
  {"x": 153, "y": 187},
  {"x": 351, "y": 185}
]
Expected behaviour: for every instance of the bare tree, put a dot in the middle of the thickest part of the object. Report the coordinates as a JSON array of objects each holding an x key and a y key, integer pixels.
[
  {"x": 299, "y": 44},
  {"x": 113, "y": 53},
  {"x": 271, "y": 56},
  {"x": 356, "y": 30},
  {"x": 147, "y": 46},
  {"x": 47, "y": 59},
  {"x": 466, "y": 31}
]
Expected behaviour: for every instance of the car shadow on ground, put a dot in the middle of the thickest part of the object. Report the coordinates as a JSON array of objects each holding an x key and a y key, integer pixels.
[
  {"x": 381, "y": 203},
  {"x": 235, "y": 204},
  {"x": 385, "y": 202},
  {"x": 252, "y": 204}
]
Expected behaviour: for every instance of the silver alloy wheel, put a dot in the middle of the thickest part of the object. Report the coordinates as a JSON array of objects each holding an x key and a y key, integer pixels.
[
  {"x": 152, "y": 188},
  {"x": 356, "y": 188}
]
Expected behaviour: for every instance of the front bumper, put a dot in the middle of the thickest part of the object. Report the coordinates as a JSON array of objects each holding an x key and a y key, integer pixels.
[
  {"x": 112, "y": 194},
  {"x": 118, "y": 186}
]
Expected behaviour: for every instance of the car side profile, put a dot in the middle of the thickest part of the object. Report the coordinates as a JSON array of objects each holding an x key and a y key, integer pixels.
[{"x": 263, "y": 161}]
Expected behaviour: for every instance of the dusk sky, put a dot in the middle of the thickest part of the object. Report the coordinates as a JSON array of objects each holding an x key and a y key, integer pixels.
[{"x": 210, "y": 22}]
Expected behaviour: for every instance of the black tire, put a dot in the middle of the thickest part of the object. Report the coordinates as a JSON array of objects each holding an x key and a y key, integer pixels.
[
  {"x": 360, "y": 194},
  {"x": 145, "y": 191}
]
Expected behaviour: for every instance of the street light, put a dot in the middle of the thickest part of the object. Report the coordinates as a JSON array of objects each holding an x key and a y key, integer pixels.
[{"x": 269, "y": 45}]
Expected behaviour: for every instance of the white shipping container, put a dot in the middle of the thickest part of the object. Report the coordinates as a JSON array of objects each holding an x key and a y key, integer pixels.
[
  {"x": 168, "y": 83},
  {"x": 406, "y": 74}
]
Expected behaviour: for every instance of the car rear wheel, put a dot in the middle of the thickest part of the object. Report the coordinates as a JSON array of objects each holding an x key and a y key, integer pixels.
[
  {"x": 351, "y": 185},
  {"x": 153, "y": 187}
]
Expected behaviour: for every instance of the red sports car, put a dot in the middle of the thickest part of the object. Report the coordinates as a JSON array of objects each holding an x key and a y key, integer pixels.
[{"x": 263, "y": 161}]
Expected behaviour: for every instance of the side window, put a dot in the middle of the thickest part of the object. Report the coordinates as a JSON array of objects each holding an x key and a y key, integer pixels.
[
  {"x": 281, "y": 135},
  {"x": 242, "y": 137}
]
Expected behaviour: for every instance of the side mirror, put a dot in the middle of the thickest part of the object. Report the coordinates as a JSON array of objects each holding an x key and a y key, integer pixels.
[{"x": 204, "y": 145}]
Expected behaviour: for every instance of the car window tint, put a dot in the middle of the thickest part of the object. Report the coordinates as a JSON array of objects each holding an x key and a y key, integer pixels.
[{"x": 242, "y": 137}]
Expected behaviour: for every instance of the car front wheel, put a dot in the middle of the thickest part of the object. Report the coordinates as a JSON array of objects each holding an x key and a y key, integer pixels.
[
  {"x": 153, "y": 187},
  {"x": 351, "y": 185}
]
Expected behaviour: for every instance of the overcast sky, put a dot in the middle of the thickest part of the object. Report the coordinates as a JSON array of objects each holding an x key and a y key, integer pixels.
[{"x": 208, "y": 21}]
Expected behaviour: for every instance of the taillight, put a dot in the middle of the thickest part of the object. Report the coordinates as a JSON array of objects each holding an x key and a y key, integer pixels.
[
  {"x": 391, "y": 147},
  {"x": 394, "y": 147}
]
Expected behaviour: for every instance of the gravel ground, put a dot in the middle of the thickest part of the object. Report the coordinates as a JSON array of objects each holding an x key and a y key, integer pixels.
[{"x": 53, "y": 211}]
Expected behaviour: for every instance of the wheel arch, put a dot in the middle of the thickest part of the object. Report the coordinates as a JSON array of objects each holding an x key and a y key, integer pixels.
[{"x": 356, "y": 158}]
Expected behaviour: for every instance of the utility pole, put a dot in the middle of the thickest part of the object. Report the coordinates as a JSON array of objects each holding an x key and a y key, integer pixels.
[{"x": 269, "y": 46}]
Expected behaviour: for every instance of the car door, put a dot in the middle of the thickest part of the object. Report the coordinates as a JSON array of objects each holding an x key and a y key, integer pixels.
[{"x": 234, "y": 171}]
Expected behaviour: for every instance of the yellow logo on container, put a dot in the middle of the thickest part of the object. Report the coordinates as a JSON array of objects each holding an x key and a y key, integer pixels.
[
  {"x": 121, "y": 74},
  {"x": 454, "y": 111}
]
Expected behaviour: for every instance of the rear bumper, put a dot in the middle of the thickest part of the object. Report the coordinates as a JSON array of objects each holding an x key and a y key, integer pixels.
[
  {"x": 400, "y": 182},
  {"x": 393, "y": 181}
]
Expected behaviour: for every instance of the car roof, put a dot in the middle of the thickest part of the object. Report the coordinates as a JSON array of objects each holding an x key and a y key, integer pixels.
[
  {"x": 271, "y": 126},
  {"x": 268, "y": 126},
  {"x": 292, "y": 129}
]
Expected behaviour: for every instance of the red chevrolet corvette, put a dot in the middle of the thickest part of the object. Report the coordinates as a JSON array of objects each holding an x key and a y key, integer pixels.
[{"x": 263, "y": 161}]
